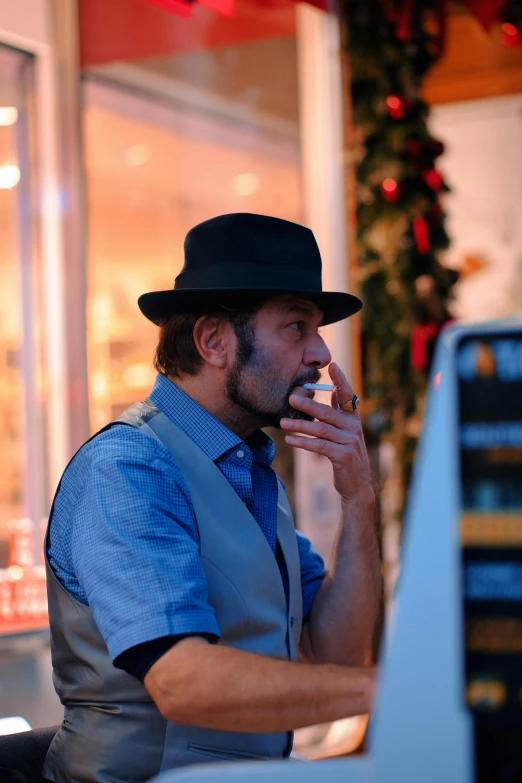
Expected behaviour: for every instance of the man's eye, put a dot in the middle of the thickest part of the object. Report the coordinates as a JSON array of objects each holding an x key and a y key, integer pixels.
[{"x": 297, "y": 325}]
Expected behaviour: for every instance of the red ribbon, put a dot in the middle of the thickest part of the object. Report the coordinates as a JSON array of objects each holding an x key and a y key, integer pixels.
[
  {"x": 400, "y": 13},
  {"x": 421, "y": 235},
  {"x": 420, "y": 337},
  {"x": 404, "y": 21}
]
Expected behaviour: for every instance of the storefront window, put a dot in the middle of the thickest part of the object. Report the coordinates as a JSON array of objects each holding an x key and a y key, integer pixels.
[
  {"x": 171, "y": 141},
  {"x": 11, "y": 319},
  {"x": 22, "y": 583}
]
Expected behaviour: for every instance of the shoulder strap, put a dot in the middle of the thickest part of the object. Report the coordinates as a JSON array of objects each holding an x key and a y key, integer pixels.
[{"x": 138, "y": 414}]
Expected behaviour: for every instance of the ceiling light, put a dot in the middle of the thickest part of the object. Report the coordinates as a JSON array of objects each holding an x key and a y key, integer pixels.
[
  {"x": 138, "y": 155},
  {"x": 9, "y": 177},
  {"x": 138, "y": 376},
  {"x": 246, "y": 184},
  {"x": 8, "y": 115},
  {"x": 99, "y": 385}
]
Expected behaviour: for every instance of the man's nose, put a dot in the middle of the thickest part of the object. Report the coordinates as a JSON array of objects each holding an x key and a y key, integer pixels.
[{"x": 317, "y": 354}]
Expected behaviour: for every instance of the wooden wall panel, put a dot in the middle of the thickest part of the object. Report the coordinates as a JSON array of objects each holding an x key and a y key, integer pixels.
[{"x": 476, "y": 64}]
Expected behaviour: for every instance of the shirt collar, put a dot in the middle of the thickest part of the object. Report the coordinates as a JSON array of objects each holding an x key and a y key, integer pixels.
[
  {"x": 207, "y": 432},
  {"x": 262, "y": 446}
]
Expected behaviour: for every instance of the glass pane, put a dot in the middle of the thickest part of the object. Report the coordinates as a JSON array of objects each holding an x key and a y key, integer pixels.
[
  {"x": 22, "y": 583},
  {"x": 11, "y": 445}
]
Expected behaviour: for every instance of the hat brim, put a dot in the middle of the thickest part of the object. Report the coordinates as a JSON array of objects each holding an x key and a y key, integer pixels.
[{"x": 157, "y": 306}]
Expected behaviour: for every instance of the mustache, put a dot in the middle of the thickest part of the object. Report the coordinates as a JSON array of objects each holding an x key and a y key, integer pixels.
[{"x": 313, "y": 377}]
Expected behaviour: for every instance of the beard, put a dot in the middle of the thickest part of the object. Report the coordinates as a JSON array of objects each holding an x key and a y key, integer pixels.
[{"x": 256, "y": 386}]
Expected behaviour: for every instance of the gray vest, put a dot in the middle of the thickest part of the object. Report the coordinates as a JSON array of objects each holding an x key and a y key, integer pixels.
[{"x": 112, "y": 731}]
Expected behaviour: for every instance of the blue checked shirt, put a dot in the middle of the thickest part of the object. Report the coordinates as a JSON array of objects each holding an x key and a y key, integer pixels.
[{"x": 123, "y": 535}]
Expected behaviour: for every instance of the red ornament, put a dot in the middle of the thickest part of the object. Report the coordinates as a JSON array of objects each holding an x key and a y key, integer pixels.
[
  {"x": 397, "y": 106},
  {"x": 390, "y": 189},
  {"x": 421, "y": 235},
  {"x": 432, "y": 178},
  {"x": 511, "y": 35}
]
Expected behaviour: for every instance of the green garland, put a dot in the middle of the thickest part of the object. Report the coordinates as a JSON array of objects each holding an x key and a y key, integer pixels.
[
  {"x": 400, "y": 222},
  {"x": 400, "y": 218}
]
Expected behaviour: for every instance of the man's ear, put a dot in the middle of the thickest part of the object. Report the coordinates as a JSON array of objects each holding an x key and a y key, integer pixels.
[{"x": 214, "y": 338}]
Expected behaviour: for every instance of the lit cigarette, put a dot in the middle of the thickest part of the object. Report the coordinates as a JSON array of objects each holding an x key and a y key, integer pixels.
[{"x": 321, "y": 387}]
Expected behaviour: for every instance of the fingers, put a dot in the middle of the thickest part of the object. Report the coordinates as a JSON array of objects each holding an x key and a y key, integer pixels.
[
  {"x": 345, "y": 392},
  {"x": 349, "y": 437},
  {"x": 316, "y": 409},
  {"x": 322, "y": 412},
  {"x": 334, "y": 451},
  {"x": 320, "y": 429},
  {"x": 339, "y": 378}
]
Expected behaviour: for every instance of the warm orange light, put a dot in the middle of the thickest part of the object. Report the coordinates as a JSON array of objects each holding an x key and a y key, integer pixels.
[
  {"x": 138, "y": 155},
  {"x": 246, "y": 184},
  {"x": 436, "y": 380},
  {"x": 9, "y": 177},
  {"x": 509, "y": 29},
  {"x": 8, "y": 115}
]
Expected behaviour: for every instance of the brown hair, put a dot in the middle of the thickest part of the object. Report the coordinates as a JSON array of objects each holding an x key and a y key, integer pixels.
[{"x": 176, "y": 352}]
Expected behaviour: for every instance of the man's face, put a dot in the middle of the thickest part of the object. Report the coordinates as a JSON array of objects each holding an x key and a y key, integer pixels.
[{"x": 281, "y": 351}]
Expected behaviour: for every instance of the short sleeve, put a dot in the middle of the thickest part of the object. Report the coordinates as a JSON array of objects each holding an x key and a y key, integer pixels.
[
  {"x": 134, "y": 548},
  {"x": 312, "y": 572}
]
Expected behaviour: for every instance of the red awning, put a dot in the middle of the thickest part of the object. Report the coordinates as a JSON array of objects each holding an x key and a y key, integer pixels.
[{"x": 133, "y": 29}]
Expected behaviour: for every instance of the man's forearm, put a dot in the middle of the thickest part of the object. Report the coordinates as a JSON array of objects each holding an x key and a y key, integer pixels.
[
  {"x": 344, "y": 613},
  {"x": 219, "y": 687},
  {"x": 343, "y": 617}
]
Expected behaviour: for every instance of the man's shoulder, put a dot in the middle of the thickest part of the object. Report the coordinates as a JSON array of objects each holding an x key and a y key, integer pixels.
[
  {"x": 120, "y": 438},
  {"x": 121, "y": 458},
  {"x": 120, "y": 444}
]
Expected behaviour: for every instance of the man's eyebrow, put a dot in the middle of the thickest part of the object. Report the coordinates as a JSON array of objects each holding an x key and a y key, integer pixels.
[{"x": 302, "y": 309}]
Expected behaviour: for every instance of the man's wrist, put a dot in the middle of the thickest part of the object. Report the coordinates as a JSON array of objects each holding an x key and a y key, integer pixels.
[
  {"x": 360, "y": 508},
  {"x": 361, "y": 686},
  {"x": 364, "y": 497},
  {"x": 370, "y": 686},
  {"x": 358, "y": 524}
]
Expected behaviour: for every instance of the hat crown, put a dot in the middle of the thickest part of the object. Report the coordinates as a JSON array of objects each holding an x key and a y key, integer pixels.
[
  {"x": 240, "y": 255},
  {"x": 250, "y": 239}
]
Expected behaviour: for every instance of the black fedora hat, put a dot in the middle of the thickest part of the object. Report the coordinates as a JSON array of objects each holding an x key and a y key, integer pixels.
[{"x": 241, "y": 255}]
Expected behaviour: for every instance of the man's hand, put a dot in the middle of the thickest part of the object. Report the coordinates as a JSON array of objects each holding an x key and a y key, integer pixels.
[
  {"x": 335, "y": 434},
  {"x": 344, "y": 612}
]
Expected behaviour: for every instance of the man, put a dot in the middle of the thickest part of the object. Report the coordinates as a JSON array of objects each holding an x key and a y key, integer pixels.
[{"x": 180, "y": 595}]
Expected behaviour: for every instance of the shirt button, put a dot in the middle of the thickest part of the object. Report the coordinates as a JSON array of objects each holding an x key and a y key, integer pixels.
[{"x": 240, "y": 454}]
